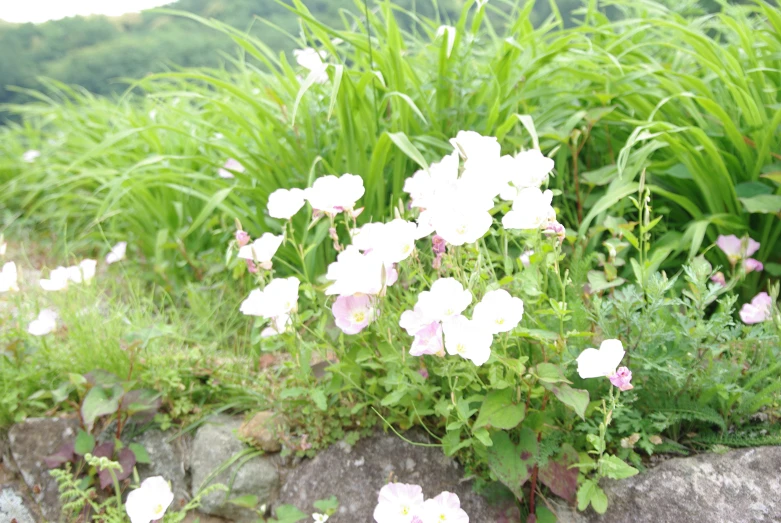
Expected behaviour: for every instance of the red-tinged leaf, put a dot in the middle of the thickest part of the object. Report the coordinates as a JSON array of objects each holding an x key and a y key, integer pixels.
[
  {"x": 104, "y": 450},
  {"x": 142, "y": 405},
  {"x": 557, "y": 476},
  {"x": 63, "y": 455},
  {"x": 127, "y": 459}
]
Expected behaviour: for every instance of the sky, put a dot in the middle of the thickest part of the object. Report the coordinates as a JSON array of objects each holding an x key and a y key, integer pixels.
[{"x": 37, "y": 11}]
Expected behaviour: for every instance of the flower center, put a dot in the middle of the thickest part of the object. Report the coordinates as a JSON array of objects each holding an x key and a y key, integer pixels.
[
  {"x": 500, "y": 321},
  {"x": 461, "y": 229},
  {"x": 359, "y": 316},
  {"x": 158, "y": 509},
  {"x": 460, "y": 348}
]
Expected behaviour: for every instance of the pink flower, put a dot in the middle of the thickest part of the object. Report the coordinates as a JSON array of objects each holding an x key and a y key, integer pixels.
[
  {"x": 736, "y": 248},
  {"x": 424, "y": 373},
  {"x": 719, "y": 278},
  {"x": 752, "y": 265},
  {"x": 230, "y": 165},
  {"x": 438, "y": 244},
  {"x": 621, "y": 379},
  {"x": 353, "y": 313},
  {"x": 251, "y": 267},
  {"x": 445, "y": 508},
  {"x": 242, "y": 238},
  {"x": 428, "y": 340},
  {"x": 758, "y": 310},
  {"x": 399, "y": 503}
]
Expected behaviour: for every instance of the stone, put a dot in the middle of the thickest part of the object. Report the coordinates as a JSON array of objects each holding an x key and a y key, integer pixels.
[
  {"x": 169, "y": 459},
  {"x": 30, "y": 442},
  {"x": 15, "y": 505},
  {"x": 215, "y": 444},
  {"x": 260, "y": 431},
  {"x": 355, "y": 475},
  {"x": 735, "y": 487}
]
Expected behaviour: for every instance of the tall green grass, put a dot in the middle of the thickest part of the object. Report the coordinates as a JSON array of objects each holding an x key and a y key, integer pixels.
[{"x": 691, "y": 100}]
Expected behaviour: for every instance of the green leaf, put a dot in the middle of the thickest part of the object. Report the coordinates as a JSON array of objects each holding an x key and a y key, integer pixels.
[
  {"x": 512, "y": 463},
  {"x": 576, "y": 399},
  {"x": 288, "y": 514},
  {"x": 292, "y": 392},
  {"x": 598, "y": 281},
  {"x": 590, "y": 492},
  {"x": 394, "y": 397},
  {"x": 550, "y": 373},
  {"x": 327, "y": 506},
  {"x": 483, "y": 436},
  {"x": 763, "y": 203},
  {"x": 500, "y": 411},
  {"x": 615, "y": 468},
  {"x": 100, "y": 401},
  {"x": 140, "y": 453},
  {"x": 246, "y": 501},
  {"x": 774, "y": 177},
  {"x": 402, "y": 142},
  {"x": 85, "y": 442},
  {"x": 751, "y": 189},
  {"x": 318, "y": 396}
]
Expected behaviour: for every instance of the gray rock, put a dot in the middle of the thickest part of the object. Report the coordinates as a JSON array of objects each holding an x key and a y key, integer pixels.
[
  {"x": 31, "y": 441},
  {"x": 214, "y": 445},
  {"x": 736, "y": 487},
  {"x": 15, "y": 505},
  {"x": 168, "y": 459},
  {"x": 355, "y": 475}
]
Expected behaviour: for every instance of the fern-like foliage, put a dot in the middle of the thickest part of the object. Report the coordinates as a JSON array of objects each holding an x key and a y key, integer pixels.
[
  {"x": 692, "y": 412},
  {"x": 753, "y": 438}
]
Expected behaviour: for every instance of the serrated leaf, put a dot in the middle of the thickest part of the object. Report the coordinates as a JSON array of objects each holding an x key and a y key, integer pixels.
[
  {"x": 500, "y": 411},
  {"x": 616, "y": 468},
  {"x": 292, "y": 392},
  {"x": 318, "y": 396},
  {"x": 394, "y": 397}
]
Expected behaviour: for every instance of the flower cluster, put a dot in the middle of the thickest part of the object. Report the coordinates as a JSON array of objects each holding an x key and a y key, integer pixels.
[
  {"x": 404, "y": 503},
  {"x": 61, "y": 276}
]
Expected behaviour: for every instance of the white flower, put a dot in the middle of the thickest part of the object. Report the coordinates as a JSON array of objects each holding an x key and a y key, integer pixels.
[
  {"x": 319, "y": 518},
  {"x": 262, "y": 249},
  {"x": 424, "y": 186},
  {"x": 280, "y": 297},
  {"x": 3, "y": 246},
  {"x": 312, "y": 60},
  {"x": 468, "y": 339},
  {"x": 425, "y": 224},
  {"x": 445, "y": 508},
  {"x": 82, "y": 272},
  {"x": 284, "y": 203},
  {"x": 231, "y": 164},
  {"x": 332, "y": 195},
  {"x": 414, "y": 320},
  {"x": 357, "y": 273},
  {"x": 526, "y": 257},
  {"x": 446, "y": 299},
  {"x": 44, "y": 324},
  {"x": 31, "y": 155},
  {"x": 58, "y": 279},
  {"x": 480, "y": 3},
  {"x": 398, "y": 503},
  {"x": 279, "y": 324},
  {"x": 527, "y": 169},
  {"x": 9, "y": 277},
  {"x": 498, "y": 311},
  {"x": 149, "y": 502},
  {"x": 531, "y": 210},
  {"x": 473, "y": 146},
  {"x": 593, "y": 363},
  {"x": 462, "y": 225},
  {"x": 117, "y": 253}
]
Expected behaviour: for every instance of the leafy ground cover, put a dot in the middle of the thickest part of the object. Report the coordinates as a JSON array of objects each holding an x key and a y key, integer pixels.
[{"x": 629, "y": 202}]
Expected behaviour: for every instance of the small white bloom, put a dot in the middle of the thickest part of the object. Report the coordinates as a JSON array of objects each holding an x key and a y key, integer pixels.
[
  {"x": 284, "y": 203},
  {"x": 414, "y": 320},
  {"x": 425, "y": 187},
  {"x": 58, "y": 279},
  {"x": 3, "y": 247},
  {"x": 526, "y": 257},
  {"x": 233, "y": 165},
  {"x": 467, "y": 339},
  {"x": 150, "y": 501},
  {"x": 117, "y": 253},
  {"x": 357, "y": 273},
  {"x": 278, "y": 325},
  {"x": 31, "y": 155},
  {"x": 462, "y": 225},
  {"x": 331, "y": 194},
  {"x": 44, "y": 324},
  {"x": 398, "y": 503},
  {"x": 82, "y": 272},
  {"x": 319, "y": 518},
  {"x": 280, "y": 297},
  {"x": 531, "y": 210},
  {"x": 445, "y": 508},
  {"x": 472, "y": 146},
  {"x": 9, "y": 277},
  {"x": 593, "y": 363},
  {"x": 312, "y": 60},
  {"x": 498, "y": 311},
  {"x": 446, "y": 299},
  {"x": 262, "y": 249},
  {"x": 527, "y": 169}
]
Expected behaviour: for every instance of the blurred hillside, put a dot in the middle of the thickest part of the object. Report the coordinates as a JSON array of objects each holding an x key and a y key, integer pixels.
[{"x": 97, "y": 52}]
